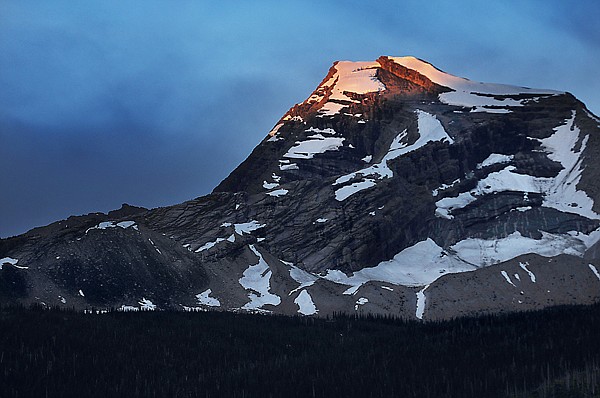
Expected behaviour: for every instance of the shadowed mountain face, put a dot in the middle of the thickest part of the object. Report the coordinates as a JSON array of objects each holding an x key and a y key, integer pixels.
[{"x": 394, "y": 188}]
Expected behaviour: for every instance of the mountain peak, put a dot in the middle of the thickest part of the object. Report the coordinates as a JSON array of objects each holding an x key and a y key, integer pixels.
[
  {"x": 394, "y": 188},
  {"x": 349, "y": 83}
]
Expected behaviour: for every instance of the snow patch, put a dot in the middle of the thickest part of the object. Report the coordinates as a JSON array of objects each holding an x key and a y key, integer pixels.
[
  {"x": 430, "y": 129},
  {"x": 146, "y": 305},
  {"x": 443, "y": 187},
  {"x": 112, "y": 224},
  {"x": 486, "y": 109},
  {"x": 274, "y": 132},
  {"x": 306, "y": 306},
  {"x": 343, "y": 193},
  {"x": 445, "y": 206},
  {"x": 307, "y": 149},
  {"x": 304, "y": 278},
  {"x": 351, "y": 290},
  {"x": 156, "y": 248},
  {"x": 482, "y": 252},
  {"x": 505, "y": 275},
  {"x": 595, "y": 271},
  {"x": 506, "y": 180},
  {"x": 524, "y": 268},
  {"x": 278, "y": 192},
  {"x": 291, "y": 166},
  {"x": 209, "y": 245},
  {"x": 327, "y": 130},
  {"x": 359, "y": 302},
  {"x": 205, "y": 299},
  {"x": 522, "y": 208},
  {"x": 330, "y": 109},
  {"x": 479, "y": 102},
  {"x": 8, "y": 260},
  {"x": 421, "y": 299},
  {"x": 248, "y": 227},
  {"x": 495, "y": 158},
  {"x": 256, "y": 278}
]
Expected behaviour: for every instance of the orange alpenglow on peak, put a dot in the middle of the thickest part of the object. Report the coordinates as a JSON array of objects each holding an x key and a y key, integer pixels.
[{"x": 349, "y": 83}]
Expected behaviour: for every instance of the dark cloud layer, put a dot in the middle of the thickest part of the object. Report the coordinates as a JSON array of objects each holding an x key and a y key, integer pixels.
[{"x": 152, "y": 103}]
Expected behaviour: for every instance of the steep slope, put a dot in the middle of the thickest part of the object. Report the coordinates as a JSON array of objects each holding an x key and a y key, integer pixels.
[{"x": 394, "y": 188}]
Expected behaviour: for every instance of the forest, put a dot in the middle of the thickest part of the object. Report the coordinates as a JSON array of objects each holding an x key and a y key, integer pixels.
[{"x": 64, "y": 353}]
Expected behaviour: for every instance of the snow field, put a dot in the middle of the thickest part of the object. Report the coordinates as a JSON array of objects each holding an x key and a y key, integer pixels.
[
  {"x": 352, "y": 77},
  {"x": 468, "y": 93},
  {"x": 560, "y": 192}
]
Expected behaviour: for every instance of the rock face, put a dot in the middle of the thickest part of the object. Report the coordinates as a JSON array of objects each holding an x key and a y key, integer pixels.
[{"x": 395, "y": 188}]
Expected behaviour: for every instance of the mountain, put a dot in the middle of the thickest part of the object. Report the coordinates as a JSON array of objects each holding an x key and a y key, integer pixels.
[{"x": 395, "y": 188}]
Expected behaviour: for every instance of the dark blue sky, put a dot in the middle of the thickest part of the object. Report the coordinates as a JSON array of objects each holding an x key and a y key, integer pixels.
[{"x": 153, "y": 103}]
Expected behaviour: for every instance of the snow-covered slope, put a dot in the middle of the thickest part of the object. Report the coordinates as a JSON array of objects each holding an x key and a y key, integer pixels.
[{"x": 467, "y": 93}]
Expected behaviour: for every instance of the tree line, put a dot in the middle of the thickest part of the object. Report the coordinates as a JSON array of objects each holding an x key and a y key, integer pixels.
[{"x": 62, "y": 353}]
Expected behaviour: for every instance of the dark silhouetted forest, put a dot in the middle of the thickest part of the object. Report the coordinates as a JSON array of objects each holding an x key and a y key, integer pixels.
[{"x": 58, "y": 353}]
